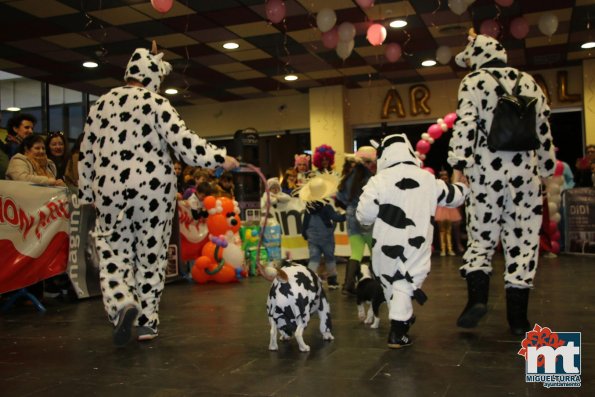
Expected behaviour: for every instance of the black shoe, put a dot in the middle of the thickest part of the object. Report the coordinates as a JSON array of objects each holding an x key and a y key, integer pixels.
[
  {"x": 332, "y": 282},
  {"x": 478, "y": 285},
  {"x": 351, "y": 273},
  {"x": 123, "y": 331},
  {"x": 517, "y": 302},
  {"x": 397, "y": 337}
]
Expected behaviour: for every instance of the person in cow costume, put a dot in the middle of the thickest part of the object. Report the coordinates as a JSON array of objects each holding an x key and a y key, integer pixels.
[
  {"x": 400, "y": 200},
  {"x": 125, "y": 170},
  {"x": 505, "y": 203}
]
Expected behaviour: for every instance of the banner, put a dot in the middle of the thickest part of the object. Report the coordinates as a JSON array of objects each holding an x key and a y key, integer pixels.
[
  {"x": 290, "y": 216},
  {"x": 579, "y": 214},
  {"x": 33, "y": 233}
]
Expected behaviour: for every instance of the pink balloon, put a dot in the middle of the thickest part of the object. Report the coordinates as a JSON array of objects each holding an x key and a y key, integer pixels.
[
  {"x": 392, "y": 52},
  {"x": 330, "y": 39},
  {"x": 553, "y": 227},
  {"x": 519, "y": 28},
  {"x": 162, "y": 6},
  {"x": 430, "y": 170},
  {"x": 559, "y": 170},
  {"x": 504, "y": 3},
  {"x": 376, "y": 34},
  {"x": 450, "y": 119},
  {"x": 555, "y": 247},
  {"x": 435, "y": 131},
  {"x": 422, "y": 146},
  {"x": 490, "y": 27},
  {"x": 275, "y": 10},
  {"x": 365, "y": 3}
]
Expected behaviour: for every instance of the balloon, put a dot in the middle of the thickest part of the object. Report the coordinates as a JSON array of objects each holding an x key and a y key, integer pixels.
[
  {"x": 559, "y": 171},
  {"x": 162, "y": 6},
  {"x": 344, "y": 49},
  {"x": 275, "y": 10},
  {"x": 330, "y": 39},
  {"x": 504, "y": 3},
  {"x": 422, "y": 147},
  {"x": 555, "y": 218},
  {"x": 209, "y": 251},
  {"x": 555, "y": 198},
  {"x": 209, "y": 202},
  {"x": 365, "y": 3},
  {"x": 552, "y": 207},
  {"x": 227, "y": 274},
  {"x": 425, "y": 136},
  {"x": 392, "y": 52},
  {"x": 198, "y": 270},
  {"x": 552, "y": 227},
  {"x": 469, "y": 2},
  {"x": 226, "y": 204},
  {"x": 555, "y": 247},
  {"x": 326, "y": 19},
  {"x": 557, "y": 180},
  {"x": 234, "y": 256},
  {"x": 519, "y": 28},
  {"x": 430, "y": 170},
  {"x": 556, "y": 236},
  {"x": 457, "y": 6},
  {"x": 554, "y": 190},
  {"x": 490, "y": 27},
  {"x": 346, "y": 32},
  {"x": 376, "y": 34},
  {"x": 548, "y": 24},
  {"x": 419, "y": 95},
  {"x": 443, "y": 54},
  {"x": 450, "y": 119},
  {"x": 435, "y": 131}
]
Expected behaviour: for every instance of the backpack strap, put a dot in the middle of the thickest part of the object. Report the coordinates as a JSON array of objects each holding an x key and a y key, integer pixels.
[
  {"x": 516, "y": 89},
  {"x": 499, "y": 83}
]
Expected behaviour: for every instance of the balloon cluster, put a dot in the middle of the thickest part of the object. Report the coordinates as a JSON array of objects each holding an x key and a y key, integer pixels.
[
  {"x": 222, "y": 257},
  {"x": 434, "y": 132},
  {"x": 275, "y": 10},
  {"x": 553, "y": 188},
  {"x": 162, "y": 6}
]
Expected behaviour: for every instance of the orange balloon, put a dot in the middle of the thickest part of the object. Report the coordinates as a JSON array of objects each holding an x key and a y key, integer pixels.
[
  {"x": 217, "y": 224},
  {"x": 227, "y": 274},
  {"x": 209, "y": 202},
  {"x": 226, "y": 204},
  {"x": 203, "y": 262},
  {"x": 198, "y": 270},
  {"x": 209, "y": 251}
]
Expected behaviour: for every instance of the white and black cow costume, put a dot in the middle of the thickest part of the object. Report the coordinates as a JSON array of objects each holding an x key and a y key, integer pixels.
[
  {"x": 126, "y": 171},
  {"x": 400, "y": 200},
  {"x": 505, "y": 201}
]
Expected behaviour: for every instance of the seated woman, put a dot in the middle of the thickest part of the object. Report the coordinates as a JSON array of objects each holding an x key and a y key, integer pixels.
[
  {"x": 32, "y": 164},
  {"x": 56, "y": 149}
]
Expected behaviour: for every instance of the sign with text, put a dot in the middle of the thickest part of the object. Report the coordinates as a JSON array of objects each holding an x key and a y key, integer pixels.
[{"x": 579, "y": 213}]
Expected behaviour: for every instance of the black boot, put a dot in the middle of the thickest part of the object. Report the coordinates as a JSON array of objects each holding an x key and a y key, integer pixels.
[
  {"x": 517, "y": 301},
  {"x": 478, "y": 286},
  {"x": 350, "y": 275},
  {"x": 398, "y": 337}
]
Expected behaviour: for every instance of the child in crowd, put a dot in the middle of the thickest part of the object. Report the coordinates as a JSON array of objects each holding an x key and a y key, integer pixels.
[
  {"x": 400, "y": 201},
  {"x": 324, "y": 159},
  {"x": 446, "y": 218},
  {"x": 302, "y": 167},
  {"x": 319, "y": 223},
  {"x": 178, "y": 168},
  {"x": 203, "y": 189},
  {"x": 198, "y": 176},
  {"x": 275, "y": 194},
  {"x": 225, "y": 186},
  {"x": 289, "y": 183}
]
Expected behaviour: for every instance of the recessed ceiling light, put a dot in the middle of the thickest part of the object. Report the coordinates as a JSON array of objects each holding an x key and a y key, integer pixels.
[
  {"x": 428, "y": 63},
  {"x": 291, "y": 77},
  {"x": 171, "y": 91},
  {"x": 398, "y": 23},
  {"x": 13, "y": 109},
  {"x": 90, "y": 64},
  {"x": 231, "y": 45},
  {"x": 588, "y": 44}
]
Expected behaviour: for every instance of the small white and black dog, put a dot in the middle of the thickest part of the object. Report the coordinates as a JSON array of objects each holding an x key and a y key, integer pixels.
[
  {"x": 369, "y": 291},
  {"x": 295, "y": 294}
]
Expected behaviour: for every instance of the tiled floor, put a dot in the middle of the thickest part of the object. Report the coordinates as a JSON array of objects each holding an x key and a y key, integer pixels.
[{"x": 213, "y": 342}]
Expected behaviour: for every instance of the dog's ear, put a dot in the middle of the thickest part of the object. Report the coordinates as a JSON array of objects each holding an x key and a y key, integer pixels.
[{"x": 282, "y": 276}]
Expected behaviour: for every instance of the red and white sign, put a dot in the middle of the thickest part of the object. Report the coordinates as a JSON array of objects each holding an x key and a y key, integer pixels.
[{"x": 33, "y": 233}]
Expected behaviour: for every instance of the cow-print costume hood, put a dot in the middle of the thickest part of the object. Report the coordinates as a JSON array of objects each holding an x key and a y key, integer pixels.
[
  {"x": 147, "y": 68},
  {"x": 395, "y": 149},
  {"x": 481, "y": 50}
]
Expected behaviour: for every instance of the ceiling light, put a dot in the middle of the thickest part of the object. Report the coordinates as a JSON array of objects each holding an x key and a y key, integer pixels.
[
  {"x": 588, "y": 44},
  {"x": 90, "y": 64},
  {"x": 231, "y": 45},
  {"x": 428, "y": 62},
  {"x": 398, "y": 23},
  {"x": 291, "y": 77},
  {"x": 13, "y": 109},
  {"x": 171, "y": 91}
]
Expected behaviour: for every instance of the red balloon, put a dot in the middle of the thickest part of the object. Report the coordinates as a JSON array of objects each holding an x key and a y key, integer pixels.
[
  {"x": 162, "y": 6},
  {"x": 490, "y": 27},
  {"x": 392, "y": 52},
  {"x": 435, "y": 131},
  {"x": 430, "y": 170},
  {"x": 552, "y": 227},
  {"x": 555, "y": 247},
  {"x": 275, "y": 10},
  {"x": 504, "y": 3},
  {"x": 519, "y": 28},
  {"x": 559, "y": 171},
  {"x": 422, "y": 146},
  {"x": 556, "y": 236},
  {"x": 376, "y": 34},
  {"x": 330, "y": 39},
  {"x": 450, "y": 119},
  {"x": 365, "y": 3}
]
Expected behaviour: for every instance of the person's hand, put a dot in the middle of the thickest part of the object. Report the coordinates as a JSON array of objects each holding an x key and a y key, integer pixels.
[
  {"x": 230, "y": 163},
  {"x": 458, "y": 176}
]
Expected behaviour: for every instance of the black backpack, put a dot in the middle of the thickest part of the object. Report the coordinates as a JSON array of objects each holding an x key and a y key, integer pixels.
[{"x": 513, "y": 125}]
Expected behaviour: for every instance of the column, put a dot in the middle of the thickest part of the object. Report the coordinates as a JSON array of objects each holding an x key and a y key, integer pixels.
[{"x": 589, "y": 100}]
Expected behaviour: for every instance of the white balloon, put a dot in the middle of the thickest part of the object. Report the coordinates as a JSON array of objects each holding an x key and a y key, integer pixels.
[
  {"x": 558, "y": 180},
  {"x": 233, "y": 255},
  {"x": 553, "y": 198},
  {"x": 443, "y": 126},
  {"x": 443, "y": 54},
  {"x": 326, "y": 19},
  {"x": 425, "y": 136},
  {"x": 431, "y": 140},
  {"x": 556, "y": 217},
  {"x": 553, "y": 189},
  {"x": 548, "y": 24},
  {"x": 457, "y": 6},
  {"x": 422, "y": 156},
  {"x": 346, "y": 32},
  {"x": 552, "y": 207},
  {"x": 344, "y": 49}
]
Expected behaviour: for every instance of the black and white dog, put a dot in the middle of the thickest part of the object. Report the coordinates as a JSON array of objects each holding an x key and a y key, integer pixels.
[
  {"x": 295, "y": 294},
  {"x": 369, "y": 291}
]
